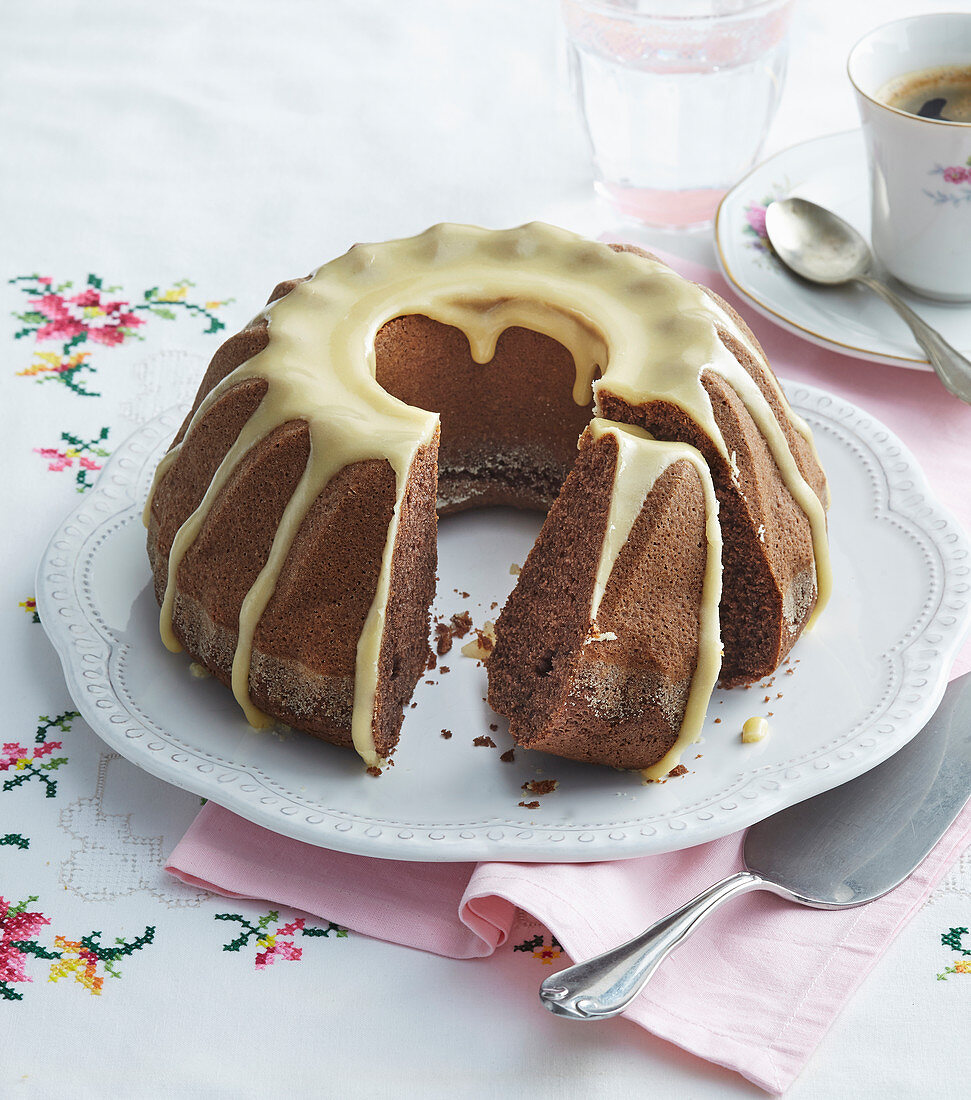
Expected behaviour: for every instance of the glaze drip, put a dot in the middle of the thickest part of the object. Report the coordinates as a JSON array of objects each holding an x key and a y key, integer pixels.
[{"x": 640, "y": 462}]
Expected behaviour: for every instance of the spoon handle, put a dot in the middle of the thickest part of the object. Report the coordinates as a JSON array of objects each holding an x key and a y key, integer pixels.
[
  {"x": 606, "y": 984},
  {"x": 953, "y": 369}
]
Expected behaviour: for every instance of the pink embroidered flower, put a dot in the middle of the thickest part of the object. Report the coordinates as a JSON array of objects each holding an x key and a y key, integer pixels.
[
  {"x": 64, "y": 460},
  {"x": 292, "y": 927},
  {"x": 61, "y": 324},
  {"x": 11, "y": 753},
  {"x": 957, "y": 175},
  {"x": 288, "y": 951},
  {"x": 15, "y": 927},
  {"x": 108, "y": 323}
]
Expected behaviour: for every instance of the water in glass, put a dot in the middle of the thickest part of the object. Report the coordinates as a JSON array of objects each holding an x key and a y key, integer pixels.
[{"x": 677, "y": 97}]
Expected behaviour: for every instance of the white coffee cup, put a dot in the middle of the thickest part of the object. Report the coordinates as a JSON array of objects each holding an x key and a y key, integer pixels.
[{"x": 921, "y": 193}]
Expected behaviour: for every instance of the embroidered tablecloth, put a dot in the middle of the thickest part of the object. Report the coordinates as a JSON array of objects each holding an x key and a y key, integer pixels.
[{"x": 163, "y": 167}]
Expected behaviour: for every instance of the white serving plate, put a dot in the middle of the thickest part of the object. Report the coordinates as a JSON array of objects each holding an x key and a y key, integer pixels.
[
  {"x": 862, "y": 684},
  {"x": 831, "y": 171}
]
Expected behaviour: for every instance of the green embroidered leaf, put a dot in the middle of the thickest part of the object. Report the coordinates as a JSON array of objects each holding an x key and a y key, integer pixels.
[
  {"x": 21, "y": 906},
  {"x": 29, "y": 947},
  {"x": 167, "y": 314},
  {"x": 94, "y": 281},
  {"x": 952, "y": 938}
]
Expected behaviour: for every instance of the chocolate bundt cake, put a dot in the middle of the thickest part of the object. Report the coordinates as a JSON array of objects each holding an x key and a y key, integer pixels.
[{"x": 292, "y": 524}]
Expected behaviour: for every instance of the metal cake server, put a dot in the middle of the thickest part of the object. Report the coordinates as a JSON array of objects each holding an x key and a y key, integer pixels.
[
  {"x": 818, "y": 245},
  {"x": 842, "y": 848}
]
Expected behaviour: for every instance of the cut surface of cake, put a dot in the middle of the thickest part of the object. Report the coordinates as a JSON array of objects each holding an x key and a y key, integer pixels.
[
  {"x": 609, "y": 647},
  {"x": 292, "y": 525}
]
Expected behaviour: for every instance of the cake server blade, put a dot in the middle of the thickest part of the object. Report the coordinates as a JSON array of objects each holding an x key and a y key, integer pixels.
[{"x": 842, "y": 848}]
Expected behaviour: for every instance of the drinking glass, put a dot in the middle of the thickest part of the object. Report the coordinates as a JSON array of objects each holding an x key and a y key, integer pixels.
[{"x": 676, "y": 96}]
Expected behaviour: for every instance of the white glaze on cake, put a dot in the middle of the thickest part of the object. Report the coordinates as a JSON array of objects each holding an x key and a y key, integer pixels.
[{"x": 640, "y": 462}]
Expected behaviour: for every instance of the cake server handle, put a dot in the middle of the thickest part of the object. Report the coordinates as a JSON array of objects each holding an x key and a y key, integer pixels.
[{"x": 606, "y": 984}]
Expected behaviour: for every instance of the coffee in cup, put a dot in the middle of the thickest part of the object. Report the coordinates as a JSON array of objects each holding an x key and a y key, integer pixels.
[{"x": 942, "y": 92}]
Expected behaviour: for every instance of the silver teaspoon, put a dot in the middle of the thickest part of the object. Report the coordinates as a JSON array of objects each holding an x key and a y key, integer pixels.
[{"x": 823, "y": 248}]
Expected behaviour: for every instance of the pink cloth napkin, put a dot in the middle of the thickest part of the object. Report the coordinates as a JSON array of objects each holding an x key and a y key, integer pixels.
[{"x": 757, "y": 987}]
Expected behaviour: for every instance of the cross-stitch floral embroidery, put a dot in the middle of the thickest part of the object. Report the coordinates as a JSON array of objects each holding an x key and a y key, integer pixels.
[
  {"x": 954, "y": 939},
  {"x": 277, "y": 944},
  {"x": 545, "y": 952},
  {"x": 87, "y": 960},
  {"x": 84, "y": 452},
  {"x": 82, "y": 958},
  {"x": 17, "y": 927},
  {"x": 36, "y": 762},
  {"x": 93, "y": 316},
  {"x": 30, "y": 607}
]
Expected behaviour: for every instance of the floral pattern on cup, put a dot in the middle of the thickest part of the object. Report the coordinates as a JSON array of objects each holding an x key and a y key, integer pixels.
[{"x": 955, "y": 175}]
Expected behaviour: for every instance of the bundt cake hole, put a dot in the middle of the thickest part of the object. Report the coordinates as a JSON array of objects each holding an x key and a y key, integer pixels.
[{"x": 509, "y": 427}]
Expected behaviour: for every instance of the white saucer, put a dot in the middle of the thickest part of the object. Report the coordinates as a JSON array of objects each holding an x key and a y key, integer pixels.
[
  {"x": 830, "y": 171},
  {"x": 859, "y": 686}
]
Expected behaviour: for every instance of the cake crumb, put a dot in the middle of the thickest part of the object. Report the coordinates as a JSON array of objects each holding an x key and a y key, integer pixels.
[
  {"x": 508, "y": 756},
  {"x": 373, "y": 770},
  {"x": 484, "y": 742},
  {"x": 493, "y": 726},
  {"x": 483, "y": 644},
  {"x": 446, "y": 734},
  {"x": 540, "y": 786},
  {"x": 515, "y": 569},
  {"x": 431, "y": 662},
  {"x": 444, "y": 668},
  {"x": 461, "y": 624},
  {"x": 790, "y": 671},
  {"x": 413, "y": 705},
  {"x": 679, "y": 770},
  {"x": 717, "y": 720},
  {"x": 443, "y": 639},
  {"x": 493, "y": 606},
  {"x": 199, "y": 671},
  {"x": 766, "y": 699},
  {"x": 534, "y": 805}
]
